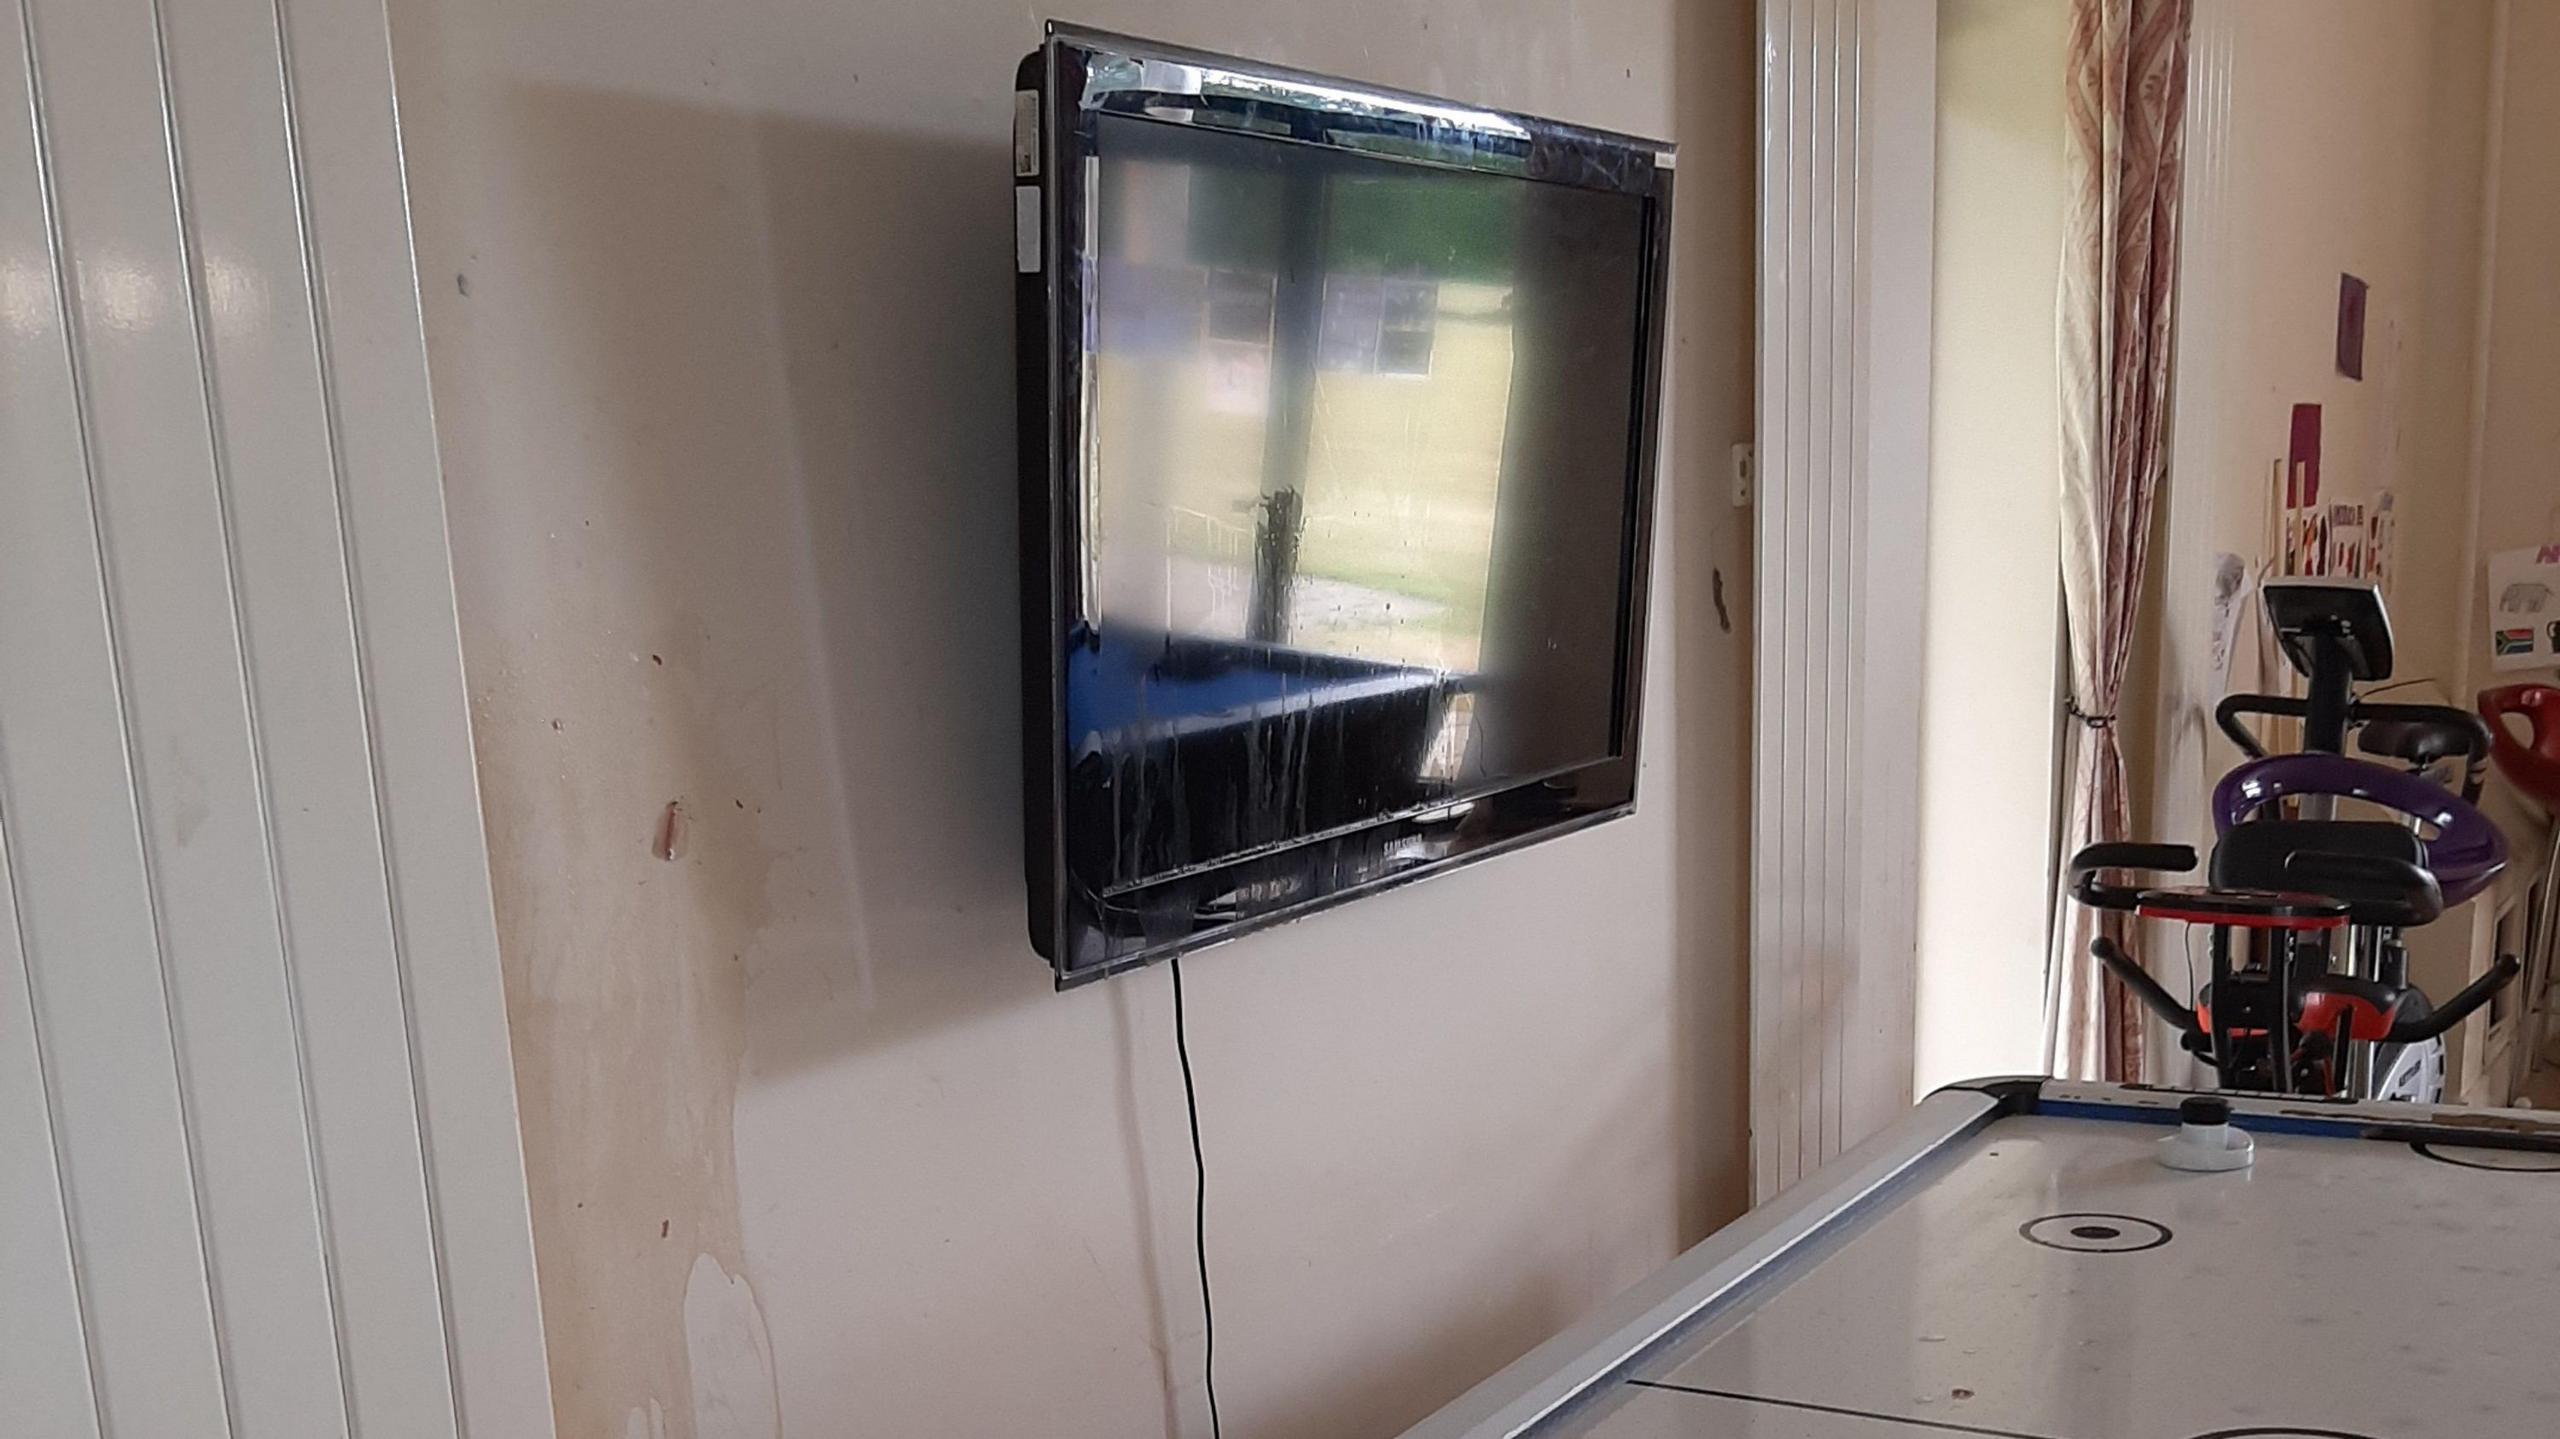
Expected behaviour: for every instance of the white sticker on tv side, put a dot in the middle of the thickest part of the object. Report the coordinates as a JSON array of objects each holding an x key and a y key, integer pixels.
[
  {"x": 1026, "y": 229},
  {"x": 1026, "y": 134}
]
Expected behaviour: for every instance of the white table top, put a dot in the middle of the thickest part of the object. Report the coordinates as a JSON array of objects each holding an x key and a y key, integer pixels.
[{"x": 2340, "y": 1287}]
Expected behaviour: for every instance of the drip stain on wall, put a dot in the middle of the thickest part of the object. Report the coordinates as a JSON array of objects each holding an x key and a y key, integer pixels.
[
  {"x": 627, "y": 1005},
  {"x": 730, "y": 1356}
]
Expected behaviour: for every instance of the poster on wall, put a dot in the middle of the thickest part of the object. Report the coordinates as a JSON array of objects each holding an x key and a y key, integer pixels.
[
  {"x": 2346, "y": 540},
  {"x": 2306, "y": 540},
  {"x": 2382, "y": 541},
  {"x": 2524, "y": 608},
  {"x": 2352, "y": 296}
]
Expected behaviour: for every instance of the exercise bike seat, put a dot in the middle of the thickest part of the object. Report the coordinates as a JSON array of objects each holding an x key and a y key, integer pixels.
[
  {"x": 2292, "y": 854},
  {"x": 2417, "y": 743}
]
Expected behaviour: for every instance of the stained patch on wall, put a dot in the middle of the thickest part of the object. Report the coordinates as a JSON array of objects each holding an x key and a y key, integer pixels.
[{"x": 731, "y": 1357}]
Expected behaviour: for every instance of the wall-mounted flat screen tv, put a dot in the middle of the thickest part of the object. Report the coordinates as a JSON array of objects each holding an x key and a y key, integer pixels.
[{"x": 1338, "y": 412}]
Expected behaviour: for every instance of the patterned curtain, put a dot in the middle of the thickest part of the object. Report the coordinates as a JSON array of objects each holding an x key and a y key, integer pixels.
[{"x": 2124, "y": 124}]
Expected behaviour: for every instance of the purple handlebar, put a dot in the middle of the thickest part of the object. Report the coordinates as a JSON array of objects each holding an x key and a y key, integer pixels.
[{"x": 2465, "y": 853}]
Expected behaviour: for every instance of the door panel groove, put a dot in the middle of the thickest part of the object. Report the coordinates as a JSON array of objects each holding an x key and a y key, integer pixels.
[
  {"x": 68, "y": 306},
  {"x": 316, "y": 300},
  {"x": 219, "y": 452},
  {"x": 42, "y": 1093},
  {"x": 259, "y": 1166},
  {"x": 22, "y": 353}
]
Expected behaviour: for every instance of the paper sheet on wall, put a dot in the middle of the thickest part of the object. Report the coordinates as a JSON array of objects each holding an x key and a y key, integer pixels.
[
  {"x": 2382, "y": 541},
  {"x": 2524, "y": 608},
  {"x": 2231, "y": 586},
  {"x": 2346, "y": 540}
]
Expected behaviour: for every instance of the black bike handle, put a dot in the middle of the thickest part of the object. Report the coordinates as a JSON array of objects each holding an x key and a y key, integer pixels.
[
  {"x": 2227, "y": 715},
  {"x": 2096, "y": 859},
  {"x": 2368, "y": 878},
  {"x": 2474, "y": 729},
  {"x": 2451, "y": 719},
  {"x": 2458, "y": 1008}
]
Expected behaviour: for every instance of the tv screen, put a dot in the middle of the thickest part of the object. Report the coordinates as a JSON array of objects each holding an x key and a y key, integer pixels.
[{"x": 1337, "y": 416}]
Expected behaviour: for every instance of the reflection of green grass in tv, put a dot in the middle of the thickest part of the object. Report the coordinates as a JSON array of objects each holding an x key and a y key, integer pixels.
[
  {"x": 1402, "y": 480},
  {"x": 1450, "y": 580},
  {"x": 1452, "y": 585},
  {"x": 1457, "y": 653},
  {"x": 1405, "y": 472}
]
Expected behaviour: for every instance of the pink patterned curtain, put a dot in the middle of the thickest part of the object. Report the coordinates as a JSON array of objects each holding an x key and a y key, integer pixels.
[{"x": 2125, "y": 120}]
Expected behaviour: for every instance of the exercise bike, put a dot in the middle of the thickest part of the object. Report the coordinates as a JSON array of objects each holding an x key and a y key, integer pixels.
[{"x": 2309, "y": 990}]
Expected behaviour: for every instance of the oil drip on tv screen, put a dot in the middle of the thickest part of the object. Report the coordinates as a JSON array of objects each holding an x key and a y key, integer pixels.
[{"x": 1338, "y": 413}]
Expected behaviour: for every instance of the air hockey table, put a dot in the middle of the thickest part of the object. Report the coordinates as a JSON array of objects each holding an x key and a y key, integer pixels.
[{"x": 2012, "y": 1260}]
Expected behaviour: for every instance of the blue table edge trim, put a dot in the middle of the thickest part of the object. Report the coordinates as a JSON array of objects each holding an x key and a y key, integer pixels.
[{"x": 2391, "y": 1122}]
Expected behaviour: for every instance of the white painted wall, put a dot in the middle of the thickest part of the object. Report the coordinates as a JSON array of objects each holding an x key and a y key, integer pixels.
[
  {"x": 2355, "y": 137},
  {"x": 2519, "y": 501},
  {"x": 2517, "y": 482},
  {"x": 1995, "y": 490},
  {"x": 717, "y": 303}
]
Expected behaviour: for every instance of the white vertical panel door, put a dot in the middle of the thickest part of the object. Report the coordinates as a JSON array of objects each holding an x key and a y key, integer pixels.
[
  {"x": 259, "y": 1173},
  {"x": 1847, "y": 160}
]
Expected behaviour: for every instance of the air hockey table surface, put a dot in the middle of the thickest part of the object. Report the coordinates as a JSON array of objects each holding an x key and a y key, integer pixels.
[{"x": 2012, "y": 1260}]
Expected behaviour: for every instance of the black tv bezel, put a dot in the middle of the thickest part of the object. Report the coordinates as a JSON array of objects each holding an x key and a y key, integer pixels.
[{"x": 1076, "y": 75}]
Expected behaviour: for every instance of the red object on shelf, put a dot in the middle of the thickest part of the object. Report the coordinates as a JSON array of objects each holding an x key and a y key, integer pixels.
[{"x": 2534, "y": 765}]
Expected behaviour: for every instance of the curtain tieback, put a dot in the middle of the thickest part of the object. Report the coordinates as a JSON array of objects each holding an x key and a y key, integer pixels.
[{"x": 2072, "y": 708}]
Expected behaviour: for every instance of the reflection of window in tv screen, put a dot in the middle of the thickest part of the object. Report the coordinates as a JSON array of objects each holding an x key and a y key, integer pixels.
[{"x": 1377, "y": 412}]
